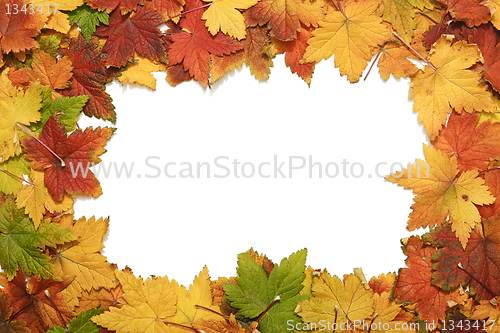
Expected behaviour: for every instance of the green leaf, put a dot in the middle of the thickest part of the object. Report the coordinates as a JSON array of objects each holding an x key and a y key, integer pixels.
[
  {"x": 88, "y": 19},
  {"x": 82, "y": 323},
  {"x": 18, "y": 243},
  {"x": 52, "y": 234},
  {"x": 71, "y": 108},
  {"x": 255, "y": 291},
  {"x": 50, "y": 44},
  {"x": 57, "y": 329},
  {"x": 18, "y": 166}
]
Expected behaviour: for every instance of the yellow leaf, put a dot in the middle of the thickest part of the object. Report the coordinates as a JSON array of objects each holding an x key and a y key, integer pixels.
[
  {"x": 223, "y": 15},
  {"x": 148, "y": 303},
  {"x": 140, "y": 73},
  {"x": 82, "y": 258},
  {"x": 451, "y": 84},
  {"x": 199, "y": 294},
  {"x": 332, "y": 301},
  {"x": 37, "y": 199},
  {"x": 440, "y": 193},
  {"x": 16, "y": 107},
  {"x": 59, "y": 21},
  {"x": 351, "y": 38},
  {"x": 495, "y": 9},
  {"x": 63, "y": 4}
]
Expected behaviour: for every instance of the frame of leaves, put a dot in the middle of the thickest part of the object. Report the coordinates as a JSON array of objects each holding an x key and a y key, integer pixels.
[{"x": 56, "y": 58}]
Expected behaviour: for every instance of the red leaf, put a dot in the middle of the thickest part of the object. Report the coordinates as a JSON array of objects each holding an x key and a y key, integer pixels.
[
  {"x": 89, "y": 76},
  {"x": 134, "y": 32},
  {"x": 487, "y": 38},
  {"x": 414, "y": 283},
  {"x": 193, "y": 45},
  {"x": 38, "y": 302},
  {"x": 78, "y": 151},
  {"x": 480, "y": 260},
  {"x": 472, "y": 12},
  {"x": 492, "y": 179},
  {"x": 18, "y": 28},
  {"x": 473, "y": 147},
  {"x": 124, "y": 5},
  {"x": 166, "y": 7}
]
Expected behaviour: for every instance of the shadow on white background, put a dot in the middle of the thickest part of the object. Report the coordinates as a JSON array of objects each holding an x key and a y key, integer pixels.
[{"x": 174, "y": 226}]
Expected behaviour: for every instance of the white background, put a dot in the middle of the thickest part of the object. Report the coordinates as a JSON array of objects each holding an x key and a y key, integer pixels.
[{"x": 163, "y": 226}]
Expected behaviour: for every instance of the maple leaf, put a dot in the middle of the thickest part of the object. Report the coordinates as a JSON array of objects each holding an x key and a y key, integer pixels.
[
  {"x": 140, "y": 73},
  {"x": 285, "y": 16},
  {"x": 17, "y": 30},
  {"x": 147, "y": 304},
  {"x": 255, "y": 291},
  {"x": 473, "y": 146},
  {"x": 400, "y": 14},
  {"x": 217, "y": 326},
  {"x": 335, "y": 301},
  {"x": 89, "y": 75},
  {"x": 487, "y": 40},
  {"x": 295, "y": 50},
  {"x": 193, "y": 45},
  {"x": 350, "y": 37},
  {"x": 80, "y": 324},
  {"x": 82, "y": 258},
  {"x": 450, "y": 84},
  {"x": 17, "y": 166},
  {"x": 394, "y": 60},
  {"x": 443, "y": 192},
  {"x": 383, "y": 282},
  {"x": 492, "y": 180},
  {"x": 255, "y": 57},
  {"x": 19, "y": 242},
  {"x": 494, "y": 6},
  {"x": 125, "y": 6},
  {"x": 104, "y": 298},
  {"x": 413, "y": 284},
  {"x": 88, "y": 19},
  {"x": 38, "y": 302},
  {"x": 6, "y": 325},
  {"x": 78, "y": 151},
  {"x": 36, "y": 199},
  {"x": 50, "y": 72},
  {"x": 221, "y": 65},
  {"x": 476, "y": 265},
  {"x": 187, "y": 311},
  {"x": 488, "y": 309},
  {"x": 132, "y": 33},
  {"x": 472, "y": 12},
  {"x": 223, "y": 15},
  {"x": 50, "y": 44},
  {"x": 17, "y": 107},
  {"x": 168, "y": 8}
]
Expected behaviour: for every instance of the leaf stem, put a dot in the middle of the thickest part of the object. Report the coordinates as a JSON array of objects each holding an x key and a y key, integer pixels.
[
  {"x": 488, "y": 170},
  {"x": 414, "y": 51},
  {"x": 425, "y": 15},
  {"x": 43, "y": 144},
  {"x": 459, "y": 265},
  {"x": 19, "y": 178},
  {"x": 205, "y": 308},
  {"x": 191, "y": 10},
  {"x": 373, "y": 63},
  {"x": 183, "y": 326},
  {"x": 335, "y": 322},
  {"x": 341, "y": 9},
  {"x": 268, "y": 307},
  {"x": 371, "y": 322}
]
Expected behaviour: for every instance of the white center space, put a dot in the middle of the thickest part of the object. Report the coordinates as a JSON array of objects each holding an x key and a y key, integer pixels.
[{"x": 174, "y": 226}]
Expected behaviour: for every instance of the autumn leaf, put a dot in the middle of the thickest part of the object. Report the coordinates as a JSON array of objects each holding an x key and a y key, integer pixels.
[
  {"x": 80, "y": 324},
  {"x": 255, "y": 291},
  {"x": 199, "y": 293},
  {"x": 37, "y": 301},
  {"x": 383, "y": 282},
  {"x": 147, "y": 304},
  {"x": 285, "y": 17},
  {"x": 17, "y": 166},
  {"x": 475, "y": 266},
  {"x": 450, "y": 84},
  {"x": 193, "y": 45},
  {"x": 89, "y": 77},
  {"x": 125, "y": 6},
  {"x": 20, "y": 242},
  {"x": 88, "y": 19},
  {"x": 492, "y": 180},
  {"x": 231, "y": 326},
  {"x": 221, "y": 65},
  {"x": 104, "y": 298},
  {"x": 400, "y": 14},
  {"x": 335, "y": 301},
  {"x": 132, "y": 33},
  {"x": 170, "y": 9},
  {"x": 140, "y": 72},
  {"x": 223, "y": 15},
  {"x": 82, "y": 258},
  {"x": 18, "y": 107},
  {"x": 49, "y": 71},
  {"x": 78, "y": 151},
  {"x": 350, "y": 37},
  {"x": 255, "y": 58},
  {"x": 494, "y": 6},
  {"x": 6, "y": 311},
  {"x": 488, "y": 309},
  {"x": 473, "y": 146},
  {"x": 394, "y": 60},
  {"x": 442, "y": 192},
  {"x": 36, "y": 200},
  {"x": 413, "y": 283},
  {"x": 17, "y": 30},
  {"x": 472, "y": 12}
]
